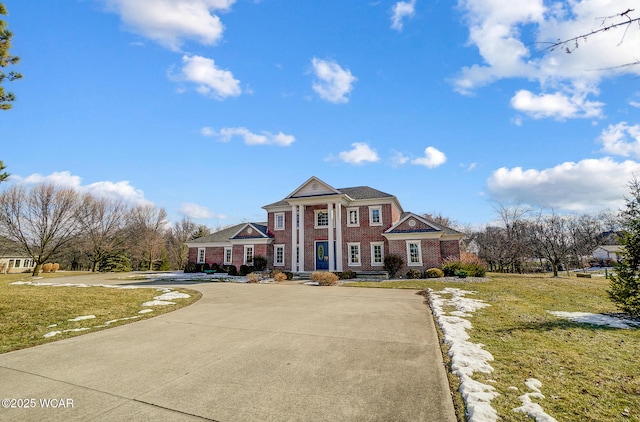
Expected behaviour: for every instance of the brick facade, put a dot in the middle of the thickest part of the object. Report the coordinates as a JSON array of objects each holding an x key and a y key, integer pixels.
[{"x": 395, "y": 230}]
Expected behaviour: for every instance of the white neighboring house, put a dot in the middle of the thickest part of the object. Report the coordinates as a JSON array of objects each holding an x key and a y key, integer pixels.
[
  {"x": 13, "y": 259},
  {"x": 609, "y": 253}
]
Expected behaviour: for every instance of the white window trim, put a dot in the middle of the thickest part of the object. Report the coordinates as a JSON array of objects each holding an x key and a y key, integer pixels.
[
  {"x": 275, "y": 221},
  {"x": 379, "y": 208},
  {"x": 315, "y": 219},
  {"x": 414, "y": 264},
  {"x": 253, "y": 254},
  {"x": 224, "y": 259},
  {"x": 357, "y": 223},
  {"x": 202, "y": 256},
  {"x": 351, "y": 263},
  {"x": 275, "y": 255},
  {"x": 373, "y": 245}
]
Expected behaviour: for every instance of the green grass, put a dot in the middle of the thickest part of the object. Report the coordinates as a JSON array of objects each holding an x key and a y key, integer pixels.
[
  {"x": 588, "y": 373},
  {"x": 27, "y": 311}
]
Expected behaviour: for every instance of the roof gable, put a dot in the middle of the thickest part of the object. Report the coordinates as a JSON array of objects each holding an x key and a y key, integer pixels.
[
  {"x": 251, "y": 231},
  {"x": 313, "y": 187},
  {"x": 413, "y": 223}
]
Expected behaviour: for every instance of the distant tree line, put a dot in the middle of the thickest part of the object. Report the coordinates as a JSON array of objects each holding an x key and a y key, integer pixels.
[
  {"x": 81, "y": 231},
  {"x": 527, "y": 240}
]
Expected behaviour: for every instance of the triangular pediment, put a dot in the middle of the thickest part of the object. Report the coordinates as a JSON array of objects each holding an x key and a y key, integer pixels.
[{"x": 313, "y": 187}]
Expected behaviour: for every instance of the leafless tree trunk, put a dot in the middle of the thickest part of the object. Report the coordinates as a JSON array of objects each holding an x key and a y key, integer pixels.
[
  {"x": 146, "y": 233},
  {"x": 179, "y": 234},
  {"x": 551, "y": 239},
  {"x": 101, "y": 220},
  {"x": 42, "y": 220}
]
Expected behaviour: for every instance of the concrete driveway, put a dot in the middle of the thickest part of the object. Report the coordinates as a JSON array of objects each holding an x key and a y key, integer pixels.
[{"x": 244, "y": 353}]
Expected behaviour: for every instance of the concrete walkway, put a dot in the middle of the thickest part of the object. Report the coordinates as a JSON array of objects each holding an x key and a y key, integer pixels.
[{"x": 244, "y": 353}]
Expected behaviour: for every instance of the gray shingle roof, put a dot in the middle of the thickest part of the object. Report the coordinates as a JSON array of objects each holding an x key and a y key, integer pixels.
[
  {"x": 225, "y": 234},
  {"x": 358, "y": 192}
]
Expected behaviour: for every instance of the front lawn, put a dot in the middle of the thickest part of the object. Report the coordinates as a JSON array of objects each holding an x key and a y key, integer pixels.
[
  {"x": 587, "y": 372},
  {"x": 29, "y": 312}
]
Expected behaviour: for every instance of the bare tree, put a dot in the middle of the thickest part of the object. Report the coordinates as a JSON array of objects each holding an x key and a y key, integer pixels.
[
  {"x": 179, "y": 234},
  {"x": 551, "y": 239},
  {"x": 145, "y": 232},
  {"x": 101, "y": 220},
  {"x": 623, "y": 20},
  {"x": 41, "y": 220},
  {"x": 586, "y": 235}
]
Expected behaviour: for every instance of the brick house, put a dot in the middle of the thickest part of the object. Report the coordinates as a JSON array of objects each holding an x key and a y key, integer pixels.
[{"x": 331, "y": 229}]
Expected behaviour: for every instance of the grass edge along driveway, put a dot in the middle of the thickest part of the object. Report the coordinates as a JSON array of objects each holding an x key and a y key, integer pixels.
[{"x": 587, "y": 372}]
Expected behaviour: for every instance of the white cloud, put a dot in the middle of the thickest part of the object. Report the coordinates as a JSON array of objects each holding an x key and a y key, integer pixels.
[
  {"x": 432, "y": 158},
  {"x": 197, "y": 212},
  {"x": 106, "y": 189},
  {"x": 511, "y": 39},
  {"x": 398, "y": 159},
  {"x": 210, "y": 80},
  {"x": 333, "y": 83},
  {"x": 615, "y": 140},
  {"x": 360, "y": 153},
  {"x": 589, "y": 185},
  {"x": 557, "y": 105},
  {"x": 171, "y": 22},
  {"x": 401, "y": 10},
  {"x": 249, "y": 138}
]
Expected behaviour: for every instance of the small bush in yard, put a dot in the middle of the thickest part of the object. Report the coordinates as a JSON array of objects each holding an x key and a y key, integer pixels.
[
  {"x": 433, "y": 273},
  {"x": 253, "y": 278},
  {"x": 346, "y": 275},
  {"x": 279, "y": 276},
  {"x": 451, "y": 266},
  {"x": 462, "y": 274},
  {"x": 414, "y": 274},
  {"x": 230, "y": 269},
  {"x": 392, "y": 264},
  {"x": 47, "y": 267},
  {"x": 259, "y": 263},
  {"x": 324, "y": 278}
]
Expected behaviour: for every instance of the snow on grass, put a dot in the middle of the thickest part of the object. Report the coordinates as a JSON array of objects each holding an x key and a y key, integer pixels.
[
  {"x": 596, "y": 319},
  {"x": 164, "y": 299},
  {"x": 466, "y": 357},
  {"x": 533, "y": 410},
  {"x": 158, "y": 303},
  {"x": 55, "y": 333},
  {"x": 81, "y": 318}
]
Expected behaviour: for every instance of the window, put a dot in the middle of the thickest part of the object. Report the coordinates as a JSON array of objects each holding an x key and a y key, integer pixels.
[
  {"x": 201, "y": 252},
  {"x": 228, "y": 255},
  {"x": 414, "y": 253},
  {"x": 278, "y": 255},
  {"x": 353, "y": 217},
  {"x": 377, "y": 253},
  {"x": 354, "y": 253},
  {"x": 248, "y": 255},
  {"x": 17, "y": 263},
  {"x": 279, "y": 221},
  {"x": 375, "y": 216},
  {"x": 322, "y": 218}
]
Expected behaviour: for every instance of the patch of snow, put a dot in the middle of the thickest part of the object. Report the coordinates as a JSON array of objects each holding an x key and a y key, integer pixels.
[
  {"x": 466, "y": 357},
  {"x": 75, "y": 329},
  {"x": 81, "y": 318},
  {"x": 596, "y": 319},
  {"x": 158, "y": 303},
  {"x": 120, "y": 319},
  {"x": 145, "y": 311},
  {"x": 531, "y": 409},
  {"x": 172, "y": 296},
  {"x": 52, "y": 325},
  {"x": 312, "y": 283},
  {"x": 52, "y": 333}
]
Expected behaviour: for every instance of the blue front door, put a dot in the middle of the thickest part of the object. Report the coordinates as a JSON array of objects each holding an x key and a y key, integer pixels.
[{"x": 322, "y": 255}]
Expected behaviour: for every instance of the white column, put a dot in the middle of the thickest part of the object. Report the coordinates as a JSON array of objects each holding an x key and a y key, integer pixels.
[
  {"x": 331, "y": 224},
  {"x": 294, "y": 239},
  {"x": 301, "y": 242},
  {"x": 338, "y": 237}
]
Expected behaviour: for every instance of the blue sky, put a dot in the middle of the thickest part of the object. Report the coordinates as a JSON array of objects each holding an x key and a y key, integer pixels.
[{"x": 214, "y": 108}]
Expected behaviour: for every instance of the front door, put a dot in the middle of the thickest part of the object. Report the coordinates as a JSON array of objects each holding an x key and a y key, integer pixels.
[{"x": 322, "y": 255}]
